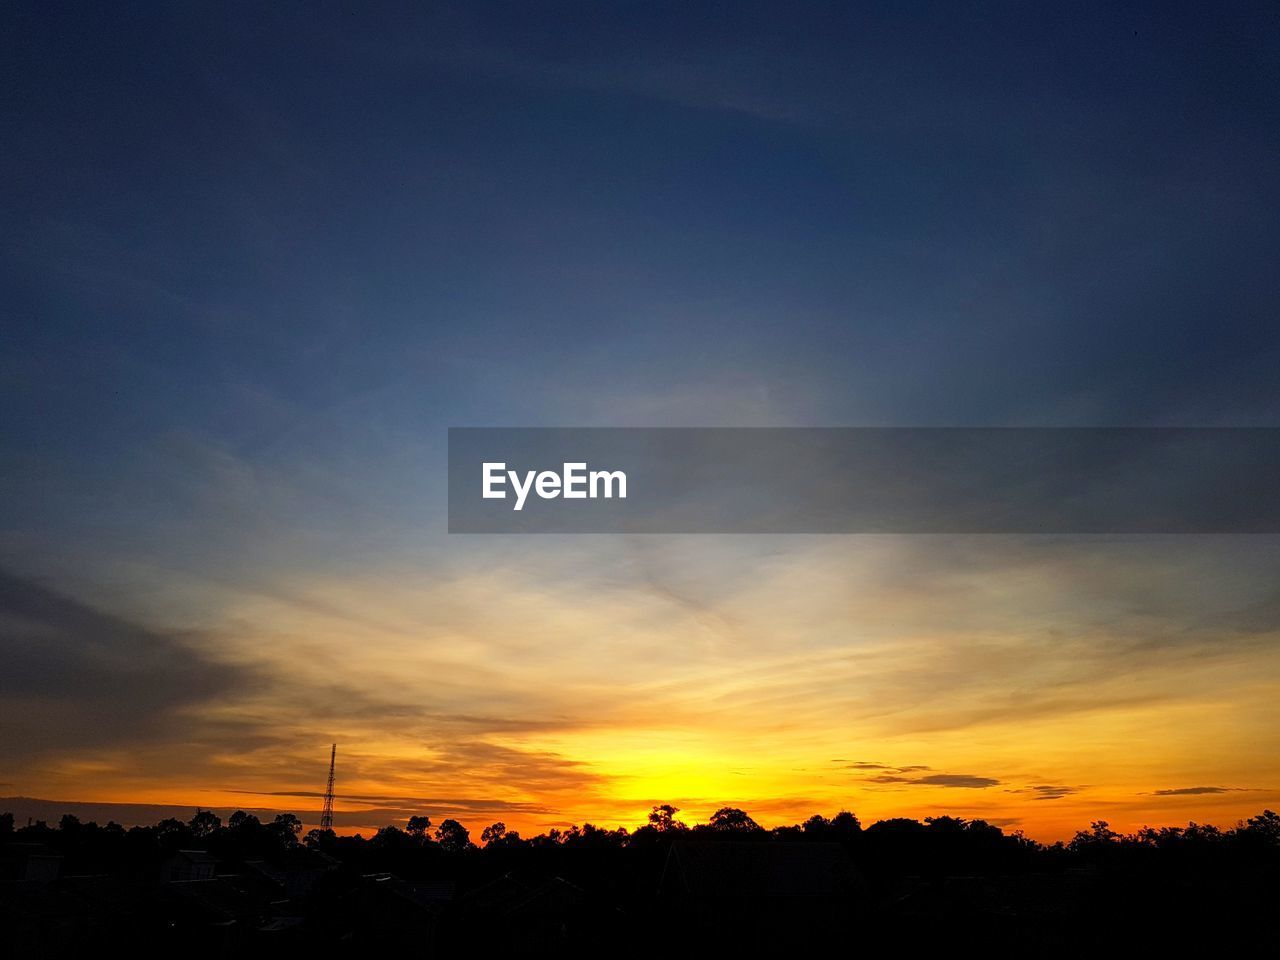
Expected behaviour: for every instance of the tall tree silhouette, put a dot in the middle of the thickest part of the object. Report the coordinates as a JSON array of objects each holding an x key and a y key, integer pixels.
[{"x": 453, "y": 836}]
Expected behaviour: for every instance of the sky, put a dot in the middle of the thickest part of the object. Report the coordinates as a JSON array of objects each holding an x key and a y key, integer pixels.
[{"x": 256, "y": 261}]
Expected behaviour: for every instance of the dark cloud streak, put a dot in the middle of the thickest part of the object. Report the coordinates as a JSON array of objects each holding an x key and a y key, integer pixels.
[
  {"x": 1197, "y": 791},
  {"x": 966, "y": 780},
  {"x": 77, "y": 678}
]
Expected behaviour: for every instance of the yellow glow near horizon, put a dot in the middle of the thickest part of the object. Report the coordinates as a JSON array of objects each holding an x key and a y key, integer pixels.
[{"x": 873, "y": 677}]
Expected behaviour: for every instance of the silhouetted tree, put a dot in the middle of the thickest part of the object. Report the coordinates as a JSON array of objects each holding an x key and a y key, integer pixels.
[
  {"x": 287, "y": 826},
  {"x": 1265, "y": 826},
  {"x": 493, "y": 833},
  {"x": 453, "y": 836},
  {"x": 663, "y": 818},
  {"x": 204, "y": 823},
  {"x": 241, "y": 821},
  {"x": 392, "y": 838},
  {"x": 944, "y": 825},
  {"x": 895, "y": 827},
  {"x": 589, "y": 835},
  {"x": 733, "y": 820},
  {"x": 319, "y": 838},
  {"x": 846, "y": 823},
  {"x": 547, "y": 840},
  {"x": 418, "y": 827},
  {"x": 817, "y": 825},
  {"x": 1098, "y": 836},
  {"x": 172, "y": 828}
]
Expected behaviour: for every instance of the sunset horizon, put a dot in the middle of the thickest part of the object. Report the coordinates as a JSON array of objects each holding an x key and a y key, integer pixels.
[
  {"x": 724, "y": 706},
  {"x": 572, "y": 410}
]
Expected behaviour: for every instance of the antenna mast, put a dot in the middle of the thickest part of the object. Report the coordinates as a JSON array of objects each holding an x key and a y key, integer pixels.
[{"x": 326, "y": 816}]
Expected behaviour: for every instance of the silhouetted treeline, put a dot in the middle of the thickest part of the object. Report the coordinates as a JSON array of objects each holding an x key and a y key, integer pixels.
[{"x": 247, "y": 888}]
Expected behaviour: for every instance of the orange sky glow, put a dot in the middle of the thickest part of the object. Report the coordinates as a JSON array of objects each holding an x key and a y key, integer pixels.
[{"x": 1036, "y": 685}]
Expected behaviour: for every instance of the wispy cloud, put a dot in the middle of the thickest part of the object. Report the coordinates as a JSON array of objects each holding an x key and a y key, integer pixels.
[
  {"x": 610, "y": 677},
  {"x": 1052, "y": 791},
  {"x": 1197, "y": 791},
  {"x": 965, "y": 780}
]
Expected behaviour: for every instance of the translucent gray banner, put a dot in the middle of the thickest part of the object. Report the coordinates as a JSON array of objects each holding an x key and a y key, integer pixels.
[{"x": 864, "y": 480}]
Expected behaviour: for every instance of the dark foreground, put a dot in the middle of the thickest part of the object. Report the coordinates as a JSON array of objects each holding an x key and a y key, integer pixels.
[{"x": 248, "y": 889}]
